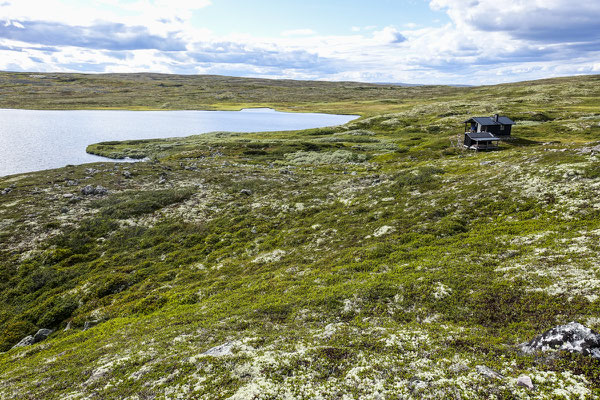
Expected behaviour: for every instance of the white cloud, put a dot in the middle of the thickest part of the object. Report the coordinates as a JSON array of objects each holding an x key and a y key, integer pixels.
[
  {"x": 486, "y": 42},
  {"x": 539, "y": 20},
  {"x": 389, "y": 35}
]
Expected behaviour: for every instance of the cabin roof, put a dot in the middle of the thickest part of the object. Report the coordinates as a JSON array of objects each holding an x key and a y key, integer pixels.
[
  {"x": 482, "y": 137},
  {"x": 487, "y": 121}
]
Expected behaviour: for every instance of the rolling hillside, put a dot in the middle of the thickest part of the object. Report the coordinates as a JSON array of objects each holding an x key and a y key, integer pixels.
[{"x": 373, "y": 260}]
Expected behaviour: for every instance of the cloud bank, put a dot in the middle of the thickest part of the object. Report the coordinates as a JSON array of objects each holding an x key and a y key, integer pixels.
[{"x": 487, "y": 41}]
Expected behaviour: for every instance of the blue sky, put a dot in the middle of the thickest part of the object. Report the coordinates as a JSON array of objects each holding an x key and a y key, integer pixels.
[
  {"x": 337, "y": 17},
  {"x": 413, "y": 41}
]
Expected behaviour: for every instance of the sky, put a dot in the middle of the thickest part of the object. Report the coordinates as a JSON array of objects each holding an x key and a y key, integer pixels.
[{"x": 469, "y": 42}]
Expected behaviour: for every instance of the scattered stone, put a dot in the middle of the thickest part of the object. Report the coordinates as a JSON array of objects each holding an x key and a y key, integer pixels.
[
  {"x": 572, "y": 337},
  {"x": 87, "y": 190},
  {"x": 247, "y": 192},
  {"x": 587, "y": 150},
  {"x": 68, "y": 327},
  {"x": 162, "y": 180},
  {"x": 458, "y": 368},
  {"x": 101, "y": 190},
  {"x": 127, "y": 174},
  {"x": 220, "y": 351},
  {"x": 91, "y": 171},
  {"x": 90, "y": 190},
  {"x": 490, "y": 373},
  {"x": 487, "y": 163},
  {"x": 26, "y": 341},
  {"x": 70, "y": 182},
  {"x": 7, "y": 190},
  {"x": 68, "y": 195},
  {"x": 90, "y": 324},
  {"x": 525, "y": 381},
  {"x": 42, "y": 334}
]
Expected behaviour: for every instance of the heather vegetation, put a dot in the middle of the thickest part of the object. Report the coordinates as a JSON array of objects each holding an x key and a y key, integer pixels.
[{"x": 372, "y": 260}]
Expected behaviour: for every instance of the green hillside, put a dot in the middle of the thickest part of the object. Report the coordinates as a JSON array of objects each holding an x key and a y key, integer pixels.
[{"x": 375, "y": 260}]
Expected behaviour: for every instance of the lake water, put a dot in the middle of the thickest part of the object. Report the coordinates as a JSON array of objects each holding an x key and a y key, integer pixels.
[{"x": 33, "y": 140}]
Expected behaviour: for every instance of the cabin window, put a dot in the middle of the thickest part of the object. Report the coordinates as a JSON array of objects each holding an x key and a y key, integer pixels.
[{"x": 501, "y": 127}]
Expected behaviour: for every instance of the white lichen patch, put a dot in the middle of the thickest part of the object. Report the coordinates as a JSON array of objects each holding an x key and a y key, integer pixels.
[
  {"x": 384, "y": 230},
  {"x": 441, "y": 291},
  {"x": 270, "y": 257}
]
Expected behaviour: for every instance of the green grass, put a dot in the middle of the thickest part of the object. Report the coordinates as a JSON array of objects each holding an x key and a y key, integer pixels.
[{"x": 371, "y": 257}]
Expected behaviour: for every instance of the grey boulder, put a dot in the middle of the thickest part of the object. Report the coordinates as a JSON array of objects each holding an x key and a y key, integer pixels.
[
  {"x": 572, "y": 337},
  {"x": 525, "y": 381},
  {"x": 90, "y": 190},
  {"x": 41, "y": 335},
  {"x": 26, "y": 341}
]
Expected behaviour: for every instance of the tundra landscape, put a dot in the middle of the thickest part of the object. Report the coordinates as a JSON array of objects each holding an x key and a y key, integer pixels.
[{"x": 379, "y": 259}]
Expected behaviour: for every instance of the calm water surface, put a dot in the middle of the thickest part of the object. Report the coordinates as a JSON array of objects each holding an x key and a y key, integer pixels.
[{"x": 33, "y": 140}]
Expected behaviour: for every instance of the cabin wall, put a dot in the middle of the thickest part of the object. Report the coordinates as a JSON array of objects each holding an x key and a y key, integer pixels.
[
  {"x": 493, "y": 129},
  {"x": 506, "y": 131},
  {"x": 467, "y": 141}
]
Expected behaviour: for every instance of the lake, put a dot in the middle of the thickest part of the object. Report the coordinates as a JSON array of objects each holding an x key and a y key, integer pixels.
[{"x": 33, "y": 140}]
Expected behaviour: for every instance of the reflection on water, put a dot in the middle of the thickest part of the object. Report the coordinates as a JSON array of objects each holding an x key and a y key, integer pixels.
[{"x": 33, "y": 140}]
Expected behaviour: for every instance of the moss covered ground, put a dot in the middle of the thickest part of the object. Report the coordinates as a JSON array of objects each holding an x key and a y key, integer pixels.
[{"x": 375, "y": 260}]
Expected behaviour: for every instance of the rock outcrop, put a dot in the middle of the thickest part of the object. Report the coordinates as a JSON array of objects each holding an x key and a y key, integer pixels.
[
  {"x": 41, "y": 335},
  {"x": 572, "y": 337},
  {"x": 90, "y": 190}
]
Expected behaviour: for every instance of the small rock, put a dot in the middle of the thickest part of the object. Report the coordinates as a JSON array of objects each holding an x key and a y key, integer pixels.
[
  {"x": 490, "y": 373},
  {"x": 89, "y": 324},
  {"x": 87, "y": 190},
  {"x": 572, "y": 337},
  {"x": 219, "y": 351},
  {"x": 487, "y": 163},
  {"x": 127, "y": 174},
  {"x": 247, "y": 192},
  {"x": 7, "y": 190},
  {"x": 68, "y": 327},
  {"x": 90, "y": 190},
  {"x": 42, "y": 334},
  {"x": 26, "y": 341},
  {"x": 458, "y": 368},
  {"x": 162, "y": 180},
  {"x": 68, "y": 195},
  {"x": 525, "y": 381}
]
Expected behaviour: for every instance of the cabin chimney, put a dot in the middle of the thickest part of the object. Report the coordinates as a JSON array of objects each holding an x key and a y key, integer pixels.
[{"x": 495, "y": 117}]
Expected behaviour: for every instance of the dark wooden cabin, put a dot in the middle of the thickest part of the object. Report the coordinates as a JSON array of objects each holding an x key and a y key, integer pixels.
[
  {"x": 496, "y": 125},
  {"x": 481, "y": 141},
  {"x": 484, "y": 133}
]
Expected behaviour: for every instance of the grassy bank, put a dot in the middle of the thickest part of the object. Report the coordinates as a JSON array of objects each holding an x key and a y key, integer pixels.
[{"x": 371, "y": 260}]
